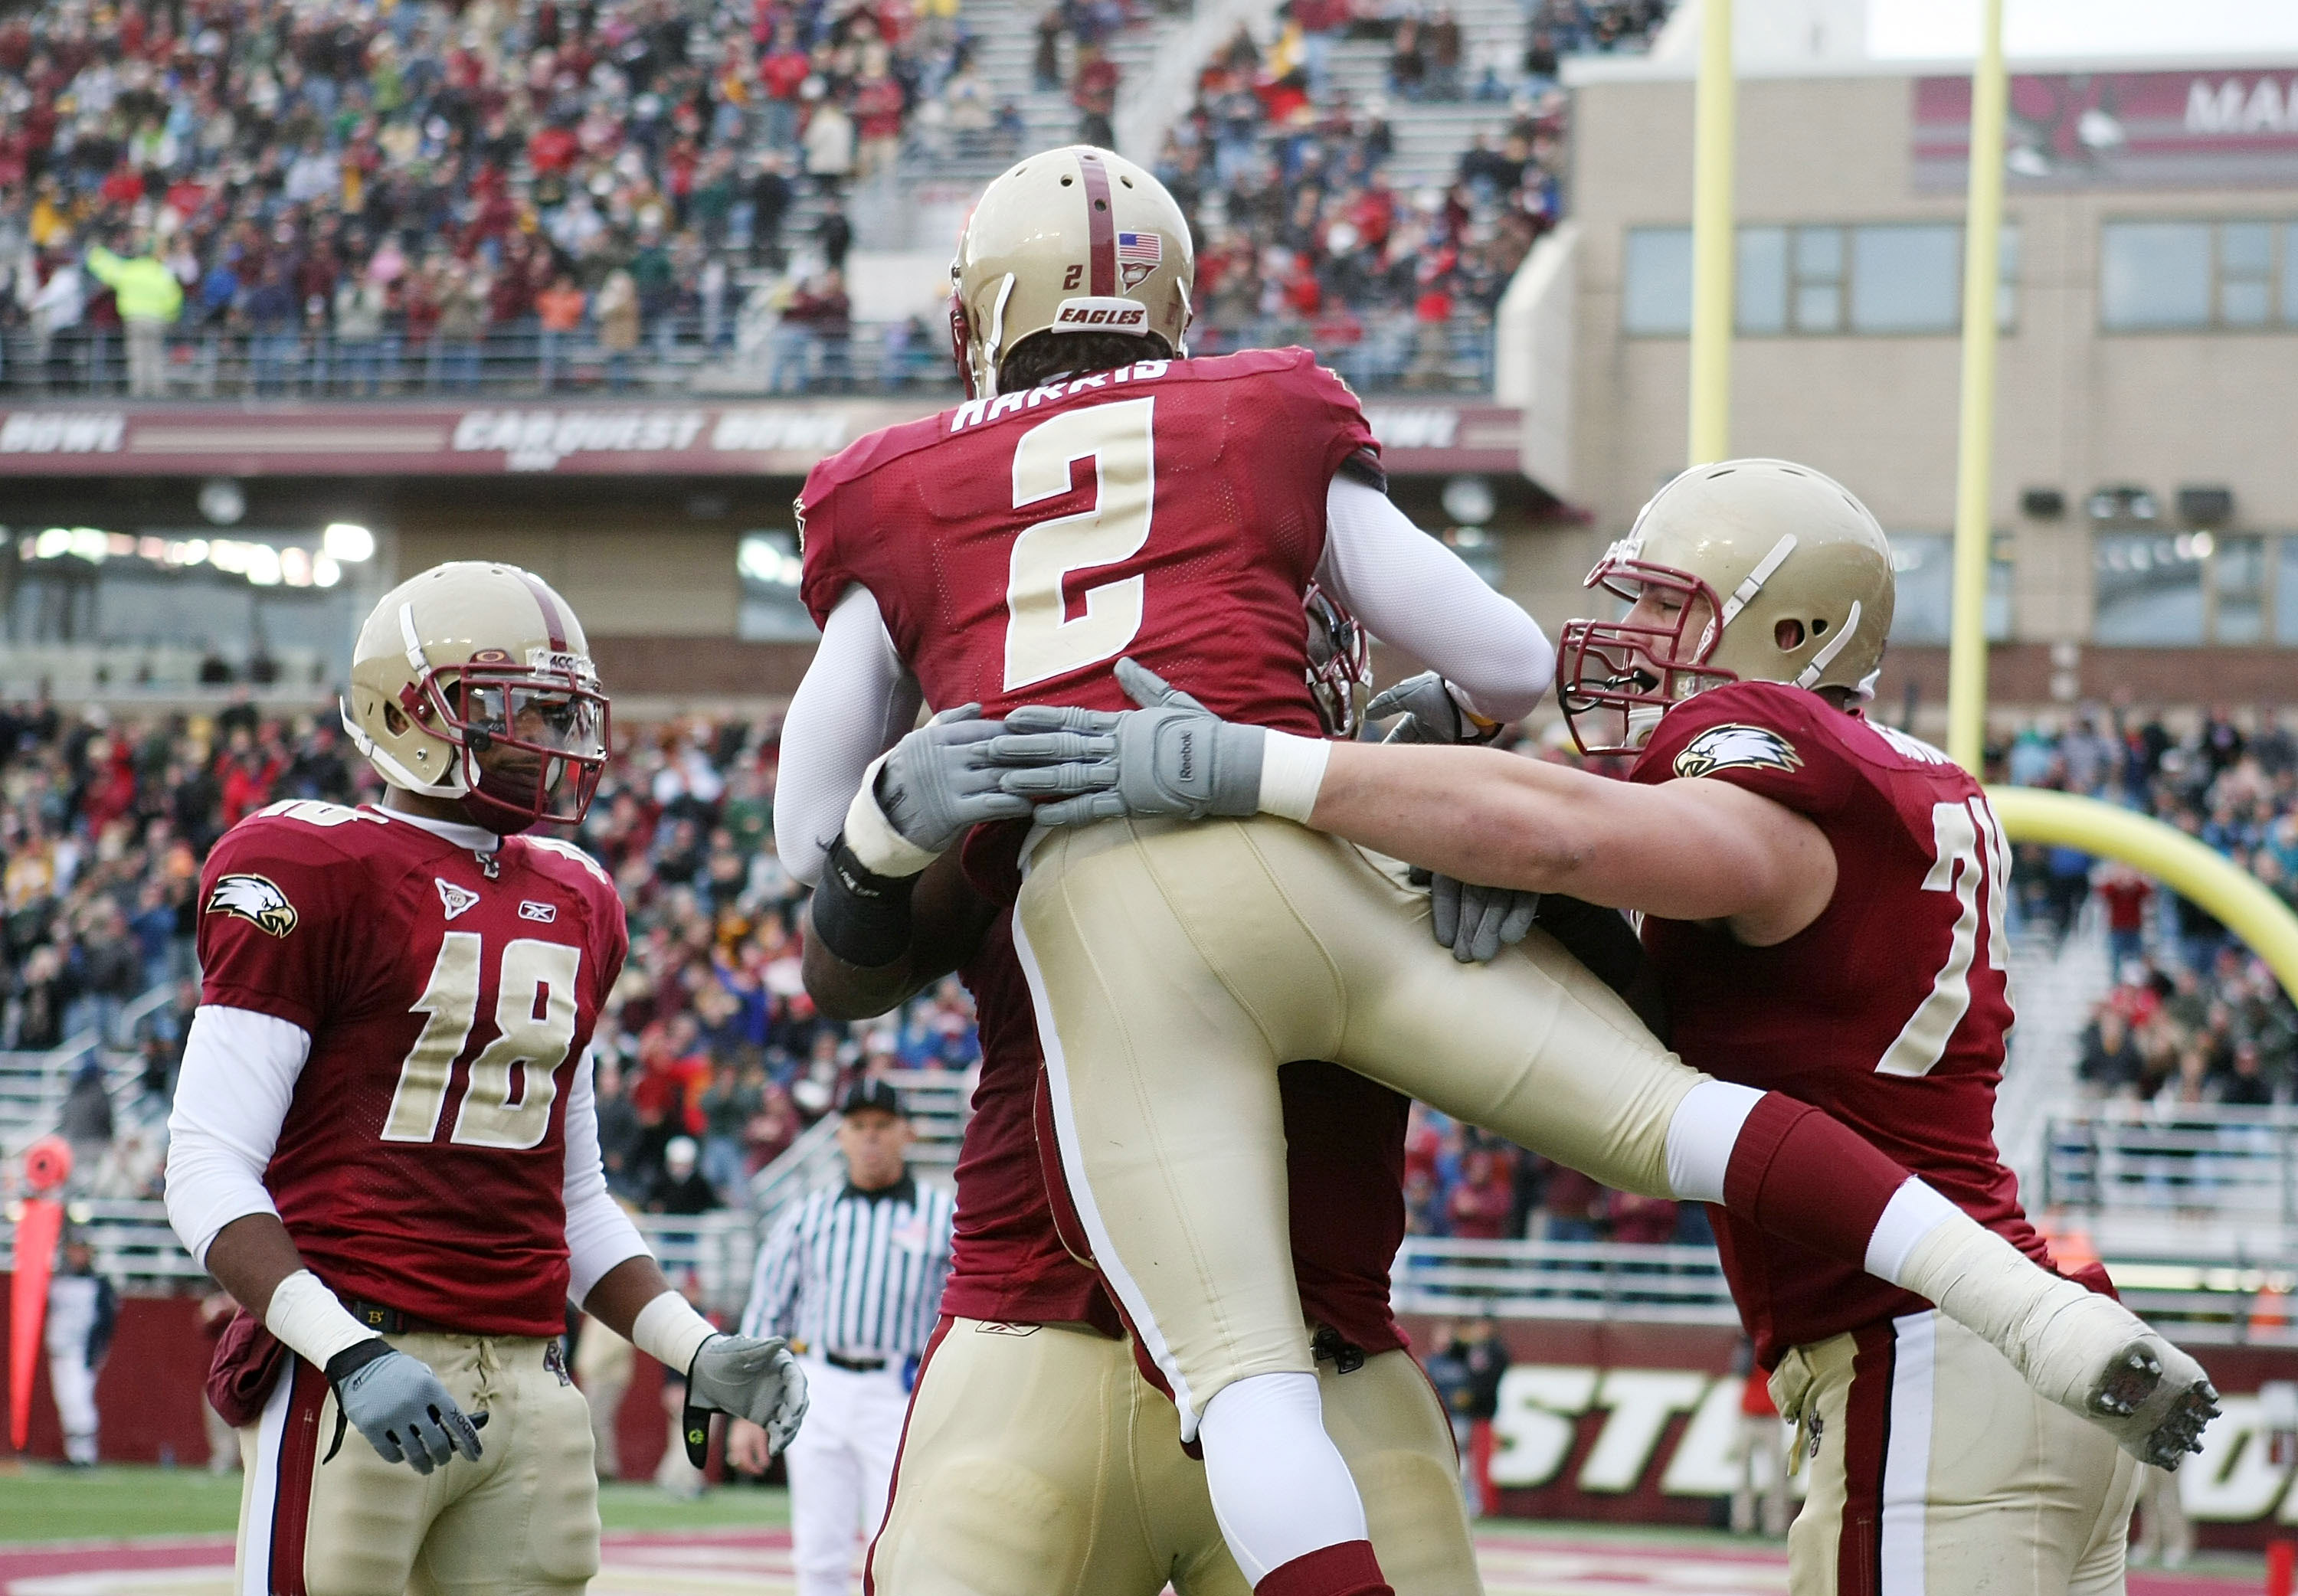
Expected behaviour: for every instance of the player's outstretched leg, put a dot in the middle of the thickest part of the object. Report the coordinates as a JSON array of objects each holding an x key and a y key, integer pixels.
[
  {"x": 1537, "y": 1049},
  {"x": 1803, "y": 1175}
]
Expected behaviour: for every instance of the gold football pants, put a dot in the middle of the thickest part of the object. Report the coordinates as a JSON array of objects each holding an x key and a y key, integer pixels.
[
  {"x": 1038, "y": 1462},
  {"x": 521, "y": 1521},
  {"x": 1175, "y": 965},
  {"x": 1935, "y": 1471}
]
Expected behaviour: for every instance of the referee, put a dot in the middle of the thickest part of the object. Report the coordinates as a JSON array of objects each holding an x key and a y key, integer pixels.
[{"x": 854, "y": 1279}]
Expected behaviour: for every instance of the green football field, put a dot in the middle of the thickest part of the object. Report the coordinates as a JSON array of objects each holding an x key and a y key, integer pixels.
[{"x": 38, "y": 1503}]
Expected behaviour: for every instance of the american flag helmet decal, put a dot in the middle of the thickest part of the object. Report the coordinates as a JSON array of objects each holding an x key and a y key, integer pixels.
[{"x": 1137, "y": 255}]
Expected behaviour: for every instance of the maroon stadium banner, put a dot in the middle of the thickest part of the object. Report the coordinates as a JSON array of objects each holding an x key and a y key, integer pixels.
[
  {"x": 500, "y": 436},
  {"x": 1637, "y": 1424},
  {"x": 2120, "y": 129}
]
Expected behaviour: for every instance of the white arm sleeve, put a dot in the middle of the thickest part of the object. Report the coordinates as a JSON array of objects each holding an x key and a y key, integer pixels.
[
  {"x": 1413, "y": 593},
  {"x": 239, "y": 1074},
  {"x": 856, "y": 701},
  {"x": 599, "y": 1234}
]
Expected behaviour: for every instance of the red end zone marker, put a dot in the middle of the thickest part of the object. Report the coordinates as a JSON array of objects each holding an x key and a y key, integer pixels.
[{"x": 48, "y": 1165}]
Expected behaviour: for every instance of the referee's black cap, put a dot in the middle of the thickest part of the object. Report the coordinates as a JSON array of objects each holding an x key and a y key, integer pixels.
[{"x": 869, "y": 1094}]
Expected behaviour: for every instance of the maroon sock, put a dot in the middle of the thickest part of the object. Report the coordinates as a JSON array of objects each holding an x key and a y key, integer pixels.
[
  {"x": 1346, "y": 1570},
  {"x": 1804, "y": 1176}
]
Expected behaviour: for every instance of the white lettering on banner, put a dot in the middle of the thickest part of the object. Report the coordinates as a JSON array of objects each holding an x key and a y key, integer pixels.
[
  {"x": 762, "y": 431},
  {"x": 1642, "y": 1401},
  {"x": 538, "y": 440},
  {"x": 1538, "y": 1420},
  {"x": 63, "y": 432},
  {"x": 2227, "y": 109},
  {"x": 1706, "y": 1460},
  {"x": 2234, "y": 1479},
  {"x": 1414, "y": 427}
]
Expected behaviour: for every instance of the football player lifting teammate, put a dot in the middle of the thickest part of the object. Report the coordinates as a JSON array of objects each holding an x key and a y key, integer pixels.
[
  {"x": 385, "y": 1143},
  {"x": 1100, "y": 494},
  {"x": 1823, "y": 905},
  {"x": 1037, "y": 1456}
]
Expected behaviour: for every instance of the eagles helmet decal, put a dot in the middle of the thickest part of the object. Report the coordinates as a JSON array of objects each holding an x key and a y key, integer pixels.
[
  {"x": 1734, "y": 747},
  {"x": 256, "y": 899}
]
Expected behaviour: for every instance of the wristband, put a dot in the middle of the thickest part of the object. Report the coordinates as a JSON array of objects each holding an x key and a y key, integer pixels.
[
  {"x": 1291, "y": 772},
  {"x": 861, "y": 916},
  {"x": 881, "y": 850},
  {"x": 669, "y": 1330},
  {"x": 305, "y": 1316}
]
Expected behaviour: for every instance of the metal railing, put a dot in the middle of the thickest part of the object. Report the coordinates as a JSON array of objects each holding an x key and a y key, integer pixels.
[
  {"x": 739, "y": 351},
  {"x": 32, "y": 1085},
  {"x": 2233, "y": 1299},
  {"x": 2127, "y": 1157}
]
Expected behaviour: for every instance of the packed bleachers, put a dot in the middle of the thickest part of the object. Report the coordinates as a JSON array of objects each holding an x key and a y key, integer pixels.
[
  {"x": 709, "y": 1037},
  {"x": 243, "y": 197}
]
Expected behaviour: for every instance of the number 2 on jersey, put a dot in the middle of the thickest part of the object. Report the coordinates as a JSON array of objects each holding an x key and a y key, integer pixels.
[
  {"x": 1969, "y": 854},
  {"x": 1041, "y": 640},
  {"x": 534, "y": 1017}
]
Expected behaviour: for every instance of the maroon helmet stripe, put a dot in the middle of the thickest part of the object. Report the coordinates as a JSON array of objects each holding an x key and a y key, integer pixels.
[
  {"x": 551, "y": 622},
  {"x": 1101, "y": 224}
]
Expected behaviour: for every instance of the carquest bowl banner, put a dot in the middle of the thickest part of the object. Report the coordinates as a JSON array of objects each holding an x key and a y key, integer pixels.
[
  {"x": 766, "y": 438},
  {"x": 1636, "y": 1424},
  {"x": 2190, "y": 129}
]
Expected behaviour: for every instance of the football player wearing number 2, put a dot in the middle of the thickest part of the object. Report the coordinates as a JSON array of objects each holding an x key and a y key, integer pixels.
[
  {"x": 384, "y": 1143},
  {"x": 1103, "y": 494}
]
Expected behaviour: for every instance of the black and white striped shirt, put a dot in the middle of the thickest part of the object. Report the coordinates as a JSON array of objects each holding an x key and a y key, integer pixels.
[{"x": 856, "y": 1274}]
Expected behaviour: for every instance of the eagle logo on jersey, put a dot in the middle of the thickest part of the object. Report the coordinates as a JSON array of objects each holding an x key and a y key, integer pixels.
[
  {"x": 1737, "y": 747},
  {"x": 256, "y": 899}
]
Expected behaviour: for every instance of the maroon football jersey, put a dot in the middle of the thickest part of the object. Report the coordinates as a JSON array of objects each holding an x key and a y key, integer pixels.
[
  {"x": 1889, "y": 1011},
  {"x": 1173, "y": 510},
  {"x": 423, "y": 1161}
]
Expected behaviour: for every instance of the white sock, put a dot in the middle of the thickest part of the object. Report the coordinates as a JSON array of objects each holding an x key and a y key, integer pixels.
[
  {"x": 2056, "y": 1333},
  {"x": 1280, "y": 1487}
]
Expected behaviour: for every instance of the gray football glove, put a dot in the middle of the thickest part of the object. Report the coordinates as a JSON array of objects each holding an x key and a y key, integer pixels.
[
  {"x": 938, "y": 782},
  {"x": 1474, "y": 921},
  {"x": 1432, "y": 709},
  {"x": 398, "y": 1403},
  {"x": 749, "y": 1378},
  {"x": 1171, "y": 756}
]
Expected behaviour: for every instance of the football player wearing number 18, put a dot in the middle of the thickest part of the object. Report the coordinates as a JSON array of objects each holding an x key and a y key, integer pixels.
[
  {"x": 1822, "y": 907},
  {"x": 384, "y": 1143}
]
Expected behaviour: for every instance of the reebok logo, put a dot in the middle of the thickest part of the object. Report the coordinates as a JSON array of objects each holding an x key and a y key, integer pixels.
[
  {"x": 528, "y": 909},
  {"x": 1188, "y": 755},
  {"x": 452, "y": 898}
]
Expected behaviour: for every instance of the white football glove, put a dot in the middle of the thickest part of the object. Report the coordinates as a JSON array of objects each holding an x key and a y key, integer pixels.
[
  {"x": 1474, "y": 921},
  {"x": 753, "y": 1379}
]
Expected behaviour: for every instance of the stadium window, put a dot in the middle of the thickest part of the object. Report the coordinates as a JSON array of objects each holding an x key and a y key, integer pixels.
[
  {"x": 2238, "y": 589},
  {"x": 771, "y": 611},
  {"x": 1924, "y": 563},
  {"x": 2148, "y": 588},
  {"x": 1890, "y": 279},
  {"x": 2285, "y": 594},
  {"x": 1655, "y": 297},
  {"x": 2190, "y": 276}
]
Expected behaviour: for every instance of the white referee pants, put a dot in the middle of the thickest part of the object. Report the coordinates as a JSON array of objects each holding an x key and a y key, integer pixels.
[
  {"x": 841, "y": 1470},
  {"x": 71, "y": 1317}
]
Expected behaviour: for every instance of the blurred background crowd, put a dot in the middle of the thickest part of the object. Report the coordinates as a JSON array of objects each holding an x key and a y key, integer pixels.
[
  {"x": 710, "y": 1058},
  {"x": 229, "y": 196}
]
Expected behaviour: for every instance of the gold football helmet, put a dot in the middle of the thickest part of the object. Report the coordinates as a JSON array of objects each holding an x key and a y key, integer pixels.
[
  {"x": 473, "y": 681},
  {"x": 1757, "y": 570},
  {"x": 1074, "y": 240}
]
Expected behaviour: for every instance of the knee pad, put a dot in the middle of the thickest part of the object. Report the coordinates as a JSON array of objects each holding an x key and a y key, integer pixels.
[{"x": 982, "y": 1526}]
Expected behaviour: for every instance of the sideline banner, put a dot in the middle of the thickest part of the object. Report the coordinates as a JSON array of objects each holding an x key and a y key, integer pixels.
[
  {"x": 1639, "y": 1424},
  {"x": 509, "y": 435}
]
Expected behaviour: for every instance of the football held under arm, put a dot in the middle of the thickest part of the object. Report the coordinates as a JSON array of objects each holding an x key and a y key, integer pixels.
[{"x": 1415, "y": 594}]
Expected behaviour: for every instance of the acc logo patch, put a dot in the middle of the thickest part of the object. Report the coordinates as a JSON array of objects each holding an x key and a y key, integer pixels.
[
  {"x": 1737, "y": 747},
  {"x": 452, "y": 898},
  {"x": 256, "y": 899}
]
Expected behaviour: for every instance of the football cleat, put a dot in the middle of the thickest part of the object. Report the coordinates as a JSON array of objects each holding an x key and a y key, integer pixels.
[{"x": 2153, "y": 1398}]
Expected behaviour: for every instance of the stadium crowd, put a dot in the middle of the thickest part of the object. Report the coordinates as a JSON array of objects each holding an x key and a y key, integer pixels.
[
  {"x": 710, "y": 1060},
  {"x": 2193, "y": 1017},
  {"x": 212, "y": 196}
]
